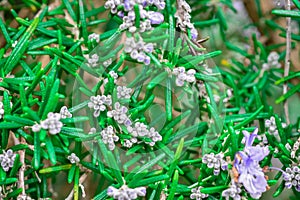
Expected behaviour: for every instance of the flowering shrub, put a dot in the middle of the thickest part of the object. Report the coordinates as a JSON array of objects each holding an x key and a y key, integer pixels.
[{"x": 149, "y": 99}]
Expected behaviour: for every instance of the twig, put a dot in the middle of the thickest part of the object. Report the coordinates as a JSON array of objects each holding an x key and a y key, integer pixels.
[
  {"x": 22, "y": 169},
  {"x": 287, "y": 58}
]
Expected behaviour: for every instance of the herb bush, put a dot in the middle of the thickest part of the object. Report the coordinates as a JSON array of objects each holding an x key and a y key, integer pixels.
[{"x": 149, "y": 99}]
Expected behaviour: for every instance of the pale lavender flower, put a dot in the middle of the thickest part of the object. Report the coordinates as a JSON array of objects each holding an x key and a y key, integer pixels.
[
  {"x": 247, "y": 165},
  {"x": 194, "y": 33},
  {"x": 155, "y": 17}
]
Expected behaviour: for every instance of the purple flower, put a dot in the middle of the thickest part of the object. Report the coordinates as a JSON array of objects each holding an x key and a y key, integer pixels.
[
  {"x": 247, "y": 165},
  {"x": 121, "y": 14},
  {"x": 127, "y": 5},
  {"x": 194, "y": 33},
  {"x": 155, "y": 17}
]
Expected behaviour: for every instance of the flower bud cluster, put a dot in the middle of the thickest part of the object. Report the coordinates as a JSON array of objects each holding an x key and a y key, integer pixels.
[
  {"x": 183, "y": 76},
  {"x": 98, "y": 103},
  {"x": 273, "y": 61},
  {"x": 7, "y": 159},
  {"x": 272, "y": 127},
  {"x": 123, "y": 92},
  {"x": 141, "y": 130},
  {"x": 126, "y": 193},
  {"x": 184, "y": 18},
  {"x": 233, "y": 192},
  {"x": 292, "y": 177},
  {"x": 215, "y": 161},
  {"x": 138, "y": 49},
  {"x": 109, "y": 137},
  {"x": 119, "y": 114},
  {"x": 197, "y": 194},
  {"x": 53, "y": 123},
  {"x": 147, "y": 17},
  {"x": 73, "y": 158}
]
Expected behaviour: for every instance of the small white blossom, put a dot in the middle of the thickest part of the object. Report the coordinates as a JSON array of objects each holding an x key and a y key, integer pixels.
[
  {"x": 73, "y": 158},
  {"x": 36, "y": 128},
  {"x": 65, "y": 113},
  {"x": 119, "y": 114},
  {"x": 141, "y": 130},
  {"x": 123, "y": 92},
  {"x": 182, "y": 75},
  {"x": 94, "y": 37},
  {"x": 196, "y": 194},
  {"x": 154, "y": 136},
  {"x": 92, "y": 131},
  {"x": 128, "y": 14},
  {"x": 114, "y": 75},
  {"x": 202, "y": 90},
  {"x": 229, "y": 95},
  {"x": 107, "y": 63},
  {"x": 215, "y": 161},
  {"x": 14, "y": 44},
  {"x": 232, "y": 192},
  {"x": 109, "y": 137},
  {"x": 1, "y": 110},
  {"x": 263, "y": 139},
  {"x": 138, "y": 50},
  {"x": 7, "y": 159},
  {"x": 2, "y": 196},
  {"x": 93, "y": 60},
  {"x": 99, "y": 103},
  {"x": 24, "y": 197},
  {"x": 272, "y": 61},
  {"x": 126, "y": 193},
  {"x": 127, "y": 143},
  {"x": 52, "y": 123},
  {"x": 295, "y": 148},
  {"x": 272, "y": 127}
]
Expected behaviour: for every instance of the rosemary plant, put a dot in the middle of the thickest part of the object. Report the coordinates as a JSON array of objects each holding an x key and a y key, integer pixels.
[{"x": 149, "y": 99}]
